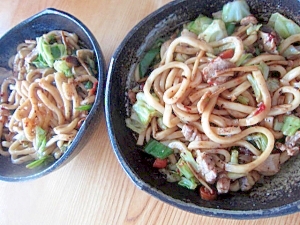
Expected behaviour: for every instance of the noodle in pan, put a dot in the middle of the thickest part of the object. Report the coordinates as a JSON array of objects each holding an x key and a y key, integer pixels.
[
  {"x": 219, "y": 110},
  {"x": 45, "y": 97}
]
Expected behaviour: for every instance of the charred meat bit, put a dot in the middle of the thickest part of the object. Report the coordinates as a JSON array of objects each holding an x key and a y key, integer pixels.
[
  {"x": 210, "y": 71},
  {"x": 291, "y": 144},
  {"x": 223, "y": 183},
  {"x": 191, "y": 133},
  {"x": 269, "y": 40},
  {"x": 72, "y": 61},
  {"x": 248, "y": 20},
  {"x": 207, "y": 167},
  {"x": 132, "y": 96},
  {"x": 270, "y": 166},
  {"x": 247, "y": 182}
]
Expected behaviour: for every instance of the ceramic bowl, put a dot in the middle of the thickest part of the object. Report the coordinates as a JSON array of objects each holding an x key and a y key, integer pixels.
[
  {"x": 43, "y": 22},
  {"x": 279, "y": 195}
]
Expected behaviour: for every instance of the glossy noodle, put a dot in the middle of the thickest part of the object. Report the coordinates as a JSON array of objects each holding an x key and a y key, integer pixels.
[
  {"x": 223, "y": 105},
  {"x": 45, "y": 97}
]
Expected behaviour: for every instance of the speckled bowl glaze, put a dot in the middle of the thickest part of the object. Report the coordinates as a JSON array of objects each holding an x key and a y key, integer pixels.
[
  {"x": 43, "y": 22},
  {"x": 279, "y": 195}
]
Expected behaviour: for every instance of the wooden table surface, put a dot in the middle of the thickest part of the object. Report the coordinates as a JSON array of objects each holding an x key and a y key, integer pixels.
[{"x": 93, "y": 188}]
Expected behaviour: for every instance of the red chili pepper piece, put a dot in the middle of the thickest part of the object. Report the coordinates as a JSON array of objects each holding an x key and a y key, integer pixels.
[
  {"x": 227, "y": 54},
  {"x": 92, "y": 91},
  {"x": 160, "y": 163},
  {"x": 207, "y": 195}
]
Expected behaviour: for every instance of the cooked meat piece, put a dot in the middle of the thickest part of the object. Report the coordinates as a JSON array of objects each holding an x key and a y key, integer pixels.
[
  {"x": 207, "y": 167},
  {"x": 235, "y": 186},
  {"x": 132, "y": 96},
  {"x": 191, "y": 133},
  {"x": 269, "y": 40},
  {"x": 223, "y": 183},
  {"x": 247, "y": 182},
  {"x": 291, "y": 144},
  {"x": 248, "y": 20},
  {"x": 293, "y": 140},
  {"x": 270, "y": 166},
  {"x": 209, "y": 72},
  {"x": 72, "y": 61}
]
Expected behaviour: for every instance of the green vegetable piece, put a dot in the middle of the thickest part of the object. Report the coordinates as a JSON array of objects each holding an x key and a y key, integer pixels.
[
  {"x": 188, "y": 183},
  {"x": 134, "y": 123},
  {"x": 147, "y": 61},
  {"x": 141, "y": 114},
  {"x": 184, "y": 169},
  {"x": 277, "y": 125},
  {"x": 39, "y": 162},
  {"x": 144, "y": 111},
  {"x": 40, "y": 139},
  {"x": 171, "y": 176},
  {"x": 230, "y": 27},
  {"x": 257, "y": 51},
  {"x": 235, "y": 11},
  {"x": 62, "y": 66},
  {"x": 188, "y": 158},
  {"x": 157, "y": 149},
  {"x": 255, "y": 87},
  {"x": 291, "y": 124},
  {"x": 264, "y": 68},
  {"x": 39, "y": 62},
  {"x": 259, "y": 139},
  {"x": 273, "y": 84},
  {"x": 58, "y": 50},
  {"x": 50, "y": 52},
  {"x": 253, "y": 28},
  {"x": 199, "y": 24},
  {"x": 283, "y": 26},
  {"x": 243, "y": 100},
  {"x": 84, "y": 107},
  {"x": 244, "y": 58},
  {"x": 214, "y": 32},
  {"x": 88, "y": 85}
]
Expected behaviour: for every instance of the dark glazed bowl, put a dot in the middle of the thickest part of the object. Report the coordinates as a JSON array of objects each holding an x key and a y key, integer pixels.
[
  {"x": 279, "y": 195},
  {"x": 43, "y": 22}
]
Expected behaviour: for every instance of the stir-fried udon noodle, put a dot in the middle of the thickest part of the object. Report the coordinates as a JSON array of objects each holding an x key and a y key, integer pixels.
[
  {"x": 45, "y": 97},
  {"x": 220, "y": 110}
]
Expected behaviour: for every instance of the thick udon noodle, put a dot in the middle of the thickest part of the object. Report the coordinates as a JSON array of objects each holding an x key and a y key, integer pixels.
[
  {"x": 178, "y": 91},
  {"x": 45, "y": 98}
]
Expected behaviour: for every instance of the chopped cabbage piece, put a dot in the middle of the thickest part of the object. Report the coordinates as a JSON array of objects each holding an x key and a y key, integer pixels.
[
  {"x": 48, "y": 53},
  {"x": 62, "y": 66},
  {"x": 188, "y": 183},
  {"x": 141, "y": 114},
  {"x": 214, "y": 32},
  {"x": 200, "y": 24},
  {"x": 283, "y": 26},
  {"x": 291, "y": 125},
  {"x": 235, "y": 11}
]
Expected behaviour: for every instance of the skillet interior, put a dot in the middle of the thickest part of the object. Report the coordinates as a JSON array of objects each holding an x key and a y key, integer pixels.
[{"x": 277, "y": 196}]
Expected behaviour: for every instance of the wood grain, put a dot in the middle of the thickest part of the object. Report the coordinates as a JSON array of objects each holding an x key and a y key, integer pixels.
[{"x": 93, "y": 188}]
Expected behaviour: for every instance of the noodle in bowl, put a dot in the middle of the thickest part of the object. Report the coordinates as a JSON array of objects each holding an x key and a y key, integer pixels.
[
  {"x": 198, "y": 113},
  {"x": 51, "y": 91}
]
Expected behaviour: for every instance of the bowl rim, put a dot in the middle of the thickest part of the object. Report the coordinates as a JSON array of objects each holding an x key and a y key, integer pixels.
[
  {"x": 101, "y": 64},
  {"x": 196, "y": 209}
]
